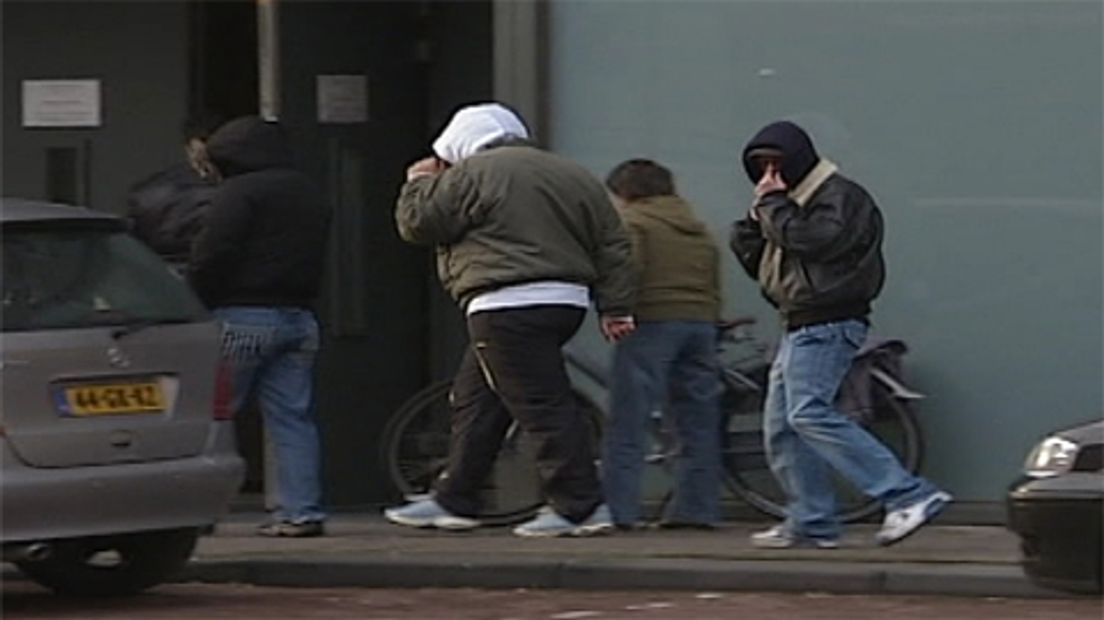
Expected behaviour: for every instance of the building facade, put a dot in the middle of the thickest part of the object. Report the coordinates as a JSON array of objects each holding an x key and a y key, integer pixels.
[{"x": 976, "y": 125}]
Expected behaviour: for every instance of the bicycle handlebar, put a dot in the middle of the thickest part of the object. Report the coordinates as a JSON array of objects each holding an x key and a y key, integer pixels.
[
  {"x": 595, "y": 371},
  {"x": 727, "y": 325}
]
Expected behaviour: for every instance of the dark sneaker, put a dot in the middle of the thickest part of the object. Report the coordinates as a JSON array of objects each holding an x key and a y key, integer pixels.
[
  {"x": 288, "y": 529},
  {"x": 782, "y": 537}
]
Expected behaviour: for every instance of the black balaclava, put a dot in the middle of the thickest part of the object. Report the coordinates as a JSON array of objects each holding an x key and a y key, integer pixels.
[{"x": 798, "y": 154}]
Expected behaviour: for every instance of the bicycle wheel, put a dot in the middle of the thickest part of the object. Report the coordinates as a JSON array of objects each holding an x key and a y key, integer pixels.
[
  {"x": 749, "y": 476},
  {"x": 657, "y": 476},
  {"x": 415, "y": 441},
  {"x": 415, "y": 450}
]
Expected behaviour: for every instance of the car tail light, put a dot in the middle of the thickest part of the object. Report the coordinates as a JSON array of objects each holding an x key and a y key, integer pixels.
[{"x": 224, "y": 393}]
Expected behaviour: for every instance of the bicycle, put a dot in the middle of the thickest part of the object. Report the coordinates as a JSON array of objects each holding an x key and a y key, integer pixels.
[{"x": 415, "y": 442}]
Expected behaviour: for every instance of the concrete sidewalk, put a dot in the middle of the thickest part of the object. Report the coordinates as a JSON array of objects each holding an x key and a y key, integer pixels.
[{"x": 364, "y": 550}]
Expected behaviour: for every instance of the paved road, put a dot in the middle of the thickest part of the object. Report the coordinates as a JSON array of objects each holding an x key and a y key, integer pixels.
[{"x": 22, "y": 600}]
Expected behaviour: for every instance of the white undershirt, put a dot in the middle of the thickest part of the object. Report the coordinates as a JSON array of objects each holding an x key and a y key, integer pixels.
[{"x": 542, "y": 293}]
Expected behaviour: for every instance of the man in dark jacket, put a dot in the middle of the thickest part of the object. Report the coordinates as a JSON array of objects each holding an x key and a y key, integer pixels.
[
  {"x": 258, "y": 263},
  {"x": 669, "y": 362},
  {"x": 524, "y": 239},
  {"x": 813, "y": 240}
]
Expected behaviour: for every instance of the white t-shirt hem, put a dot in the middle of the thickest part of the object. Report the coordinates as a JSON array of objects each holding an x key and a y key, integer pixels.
[{"x": 541, "y": 293}]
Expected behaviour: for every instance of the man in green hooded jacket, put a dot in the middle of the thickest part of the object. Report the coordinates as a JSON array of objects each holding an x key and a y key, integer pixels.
[
  {"x": 526, "y": 240},
  {"x": 669, "y": 362}
]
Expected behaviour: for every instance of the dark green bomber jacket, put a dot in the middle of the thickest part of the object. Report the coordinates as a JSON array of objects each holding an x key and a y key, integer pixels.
[{"x": 516, "y": 214}]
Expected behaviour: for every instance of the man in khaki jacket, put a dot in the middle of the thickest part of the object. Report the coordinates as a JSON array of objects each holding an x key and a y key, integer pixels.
[
  {"x": 669, "y": 361},
  {"x": 525, "y": 240}
]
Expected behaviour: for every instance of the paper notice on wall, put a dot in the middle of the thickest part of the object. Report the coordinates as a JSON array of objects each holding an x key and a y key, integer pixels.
[
  {"x": 61, "y": 103},
  {"x": 342, "y": 98}
]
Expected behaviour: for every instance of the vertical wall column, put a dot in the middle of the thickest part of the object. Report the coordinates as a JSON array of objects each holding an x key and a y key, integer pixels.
[
  {"x": 268, "y": 82},
  {"x": 520, "y": 55},
  {"x": 268, "y": 58}
]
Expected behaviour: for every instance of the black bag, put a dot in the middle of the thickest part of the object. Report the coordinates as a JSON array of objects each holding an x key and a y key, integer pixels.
[{"x": 167, "y": 210}]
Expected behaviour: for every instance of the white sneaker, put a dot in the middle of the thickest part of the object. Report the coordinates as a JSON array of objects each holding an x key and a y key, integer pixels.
[
  {"x": 549, "y": 524},
  {"x": 428, "y": 513},
  {"x": 903, "y": 522},
  {"x": 782, "y": 537}
]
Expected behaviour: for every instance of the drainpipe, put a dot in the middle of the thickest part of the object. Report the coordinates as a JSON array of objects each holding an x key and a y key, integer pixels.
[
  {"x": 268, "y": 70},
  {"x": 268, "y": 58},
  {"x": 520, "y": 56}
]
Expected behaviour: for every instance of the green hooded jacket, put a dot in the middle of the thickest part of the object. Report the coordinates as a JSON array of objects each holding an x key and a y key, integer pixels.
[
  {"x": 516, "y": 214},
  {"x": 675, "y": 260}
]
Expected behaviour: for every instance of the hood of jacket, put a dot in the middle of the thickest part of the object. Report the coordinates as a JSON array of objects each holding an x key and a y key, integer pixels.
[
  {"x": 248, "y": 144},
  {"x": 474, "y": 128},
  {"x": 670, "y": 211},
  {"x": 799, "y": 156}
]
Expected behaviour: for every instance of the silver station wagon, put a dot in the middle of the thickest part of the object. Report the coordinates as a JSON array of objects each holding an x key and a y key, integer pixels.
[{"x": 118, "y": 444}]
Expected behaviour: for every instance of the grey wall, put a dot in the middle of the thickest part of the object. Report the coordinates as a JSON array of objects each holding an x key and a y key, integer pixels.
[
  {"x": 976, "y": 125},
  {"x": 137, "y": 50}
]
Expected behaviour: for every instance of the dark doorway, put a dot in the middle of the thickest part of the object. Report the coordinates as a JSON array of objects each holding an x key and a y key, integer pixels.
[
  {"x": 223, "y": 73},
  {"x": 385, "y": 323},
  {"x": 223, "y": 84}
]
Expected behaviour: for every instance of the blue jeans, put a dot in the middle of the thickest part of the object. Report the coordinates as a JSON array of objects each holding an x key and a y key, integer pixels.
[
  {"x": 805, "y": 434},
  {"x": 271, "y": 352},
  {"x": 669, "y": 365}
]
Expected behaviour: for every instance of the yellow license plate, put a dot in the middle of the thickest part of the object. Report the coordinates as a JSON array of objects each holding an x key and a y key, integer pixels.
[{"x": 115, "y": 398}]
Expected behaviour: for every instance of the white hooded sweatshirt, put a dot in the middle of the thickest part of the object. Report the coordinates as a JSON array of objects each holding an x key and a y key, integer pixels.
[
  {"x": 474, "y": 127},
  {"x": 471, "y": 129}
]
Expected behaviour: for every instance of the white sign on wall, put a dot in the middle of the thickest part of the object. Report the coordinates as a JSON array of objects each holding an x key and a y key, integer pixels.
[
  {"x": 342, "y": 98},
  {"x": 61, "y": 103}
]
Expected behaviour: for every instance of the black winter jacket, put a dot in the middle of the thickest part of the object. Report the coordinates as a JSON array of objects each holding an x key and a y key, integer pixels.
[{"x": 265, "y": 236}]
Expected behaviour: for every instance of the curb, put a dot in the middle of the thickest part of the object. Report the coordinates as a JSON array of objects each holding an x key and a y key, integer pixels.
[{"x": 974, "y": 580}]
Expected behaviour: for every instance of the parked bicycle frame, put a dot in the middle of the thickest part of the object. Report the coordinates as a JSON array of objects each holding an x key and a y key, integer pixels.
[{"x": 415, "y": 442}]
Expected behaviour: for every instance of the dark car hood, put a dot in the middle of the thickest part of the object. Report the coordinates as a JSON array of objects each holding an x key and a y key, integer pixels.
[{"x": 1089, "y": 433}]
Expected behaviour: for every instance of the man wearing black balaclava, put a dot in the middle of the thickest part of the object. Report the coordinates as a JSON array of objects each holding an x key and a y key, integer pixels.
[{"x": 812, "y": 238}]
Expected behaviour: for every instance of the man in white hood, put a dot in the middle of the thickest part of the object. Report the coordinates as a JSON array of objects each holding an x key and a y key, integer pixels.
[{"x": 525, "y": 241}]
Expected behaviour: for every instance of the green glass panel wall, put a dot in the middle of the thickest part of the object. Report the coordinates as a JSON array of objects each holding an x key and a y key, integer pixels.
[{"x": 976, "y": 125}]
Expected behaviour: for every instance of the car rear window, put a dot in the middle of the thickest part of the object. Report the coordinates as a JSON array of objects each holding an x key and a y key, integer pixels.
[{"x": 72, "y": 276}]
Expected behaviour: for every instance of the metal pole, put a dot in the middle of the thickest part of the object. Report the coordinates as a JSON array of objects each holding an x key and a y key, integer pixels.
[
  {"x": 268, "y": 58},
  {"x": 520, "y": 47},
  {"x": 268, "y": 69}
]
